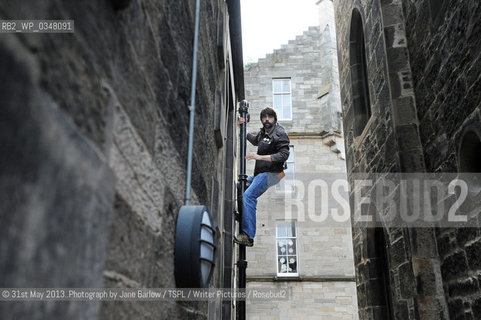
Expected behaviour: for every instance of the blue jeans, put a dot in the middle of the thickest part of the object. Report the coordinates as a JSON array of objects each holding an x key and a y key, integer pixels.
[{"x": 259, "y": 185}]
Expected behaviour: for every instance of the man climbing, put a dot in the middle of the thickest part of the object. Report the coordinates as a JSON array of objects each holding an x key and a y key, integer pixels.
[{"x": 272, "y": 152}]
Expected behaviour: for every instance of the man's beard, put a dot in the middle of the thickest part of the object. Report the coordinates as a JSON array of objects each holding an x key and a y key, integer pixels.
[{"x": 267, "y": 125}]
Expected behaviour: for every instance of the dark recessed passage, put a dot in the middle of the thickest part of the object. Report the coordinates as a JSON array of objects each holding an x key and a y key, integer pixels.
[{"x": 470, "y": 153}]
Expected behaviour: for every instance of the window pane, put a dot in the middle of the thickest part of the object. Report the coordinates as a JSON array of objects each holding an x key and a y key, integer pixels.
[
  {"x": 287, "y": 184},
  {"x": 292, "y": 264},
  {"x": 280, "y": 113},
  {"x": 281, "y": 248},
  {"x": 289, "y": 230},
  {"x": 287, "y": 113},
  {"x": 282, "y": 264},
  {"x": 292, "y": 230},
  {"x": 286, "y": 248},
  {"x": 277, "y": 101},
  {"x": 281, "y": 229},
  {"x": 286, "y": 103},
  {"x": 289, "y": 171},
  {"x": 277, "y": 85},
  {"x": 286, "y": 86},
  {"x": 291, "y": 155},
  {"x": 291, "y": 247}
]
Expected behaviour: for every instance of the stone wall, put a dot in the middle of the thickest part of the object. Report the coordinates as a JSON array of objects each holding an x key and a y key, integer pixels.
[
  {"x": 308, "y": 300},
  {"x": 324, "y": 248},
  {"x": 94, "y": 132},
  {"x": 302, "y": 61},
  {"x": 372, "y": 150},
  {"x": 445, "y": 56},
  {"x": 48, "y": 237},
  {"x": 422, "y": 62},
  {"x": 324, "y": 287}
]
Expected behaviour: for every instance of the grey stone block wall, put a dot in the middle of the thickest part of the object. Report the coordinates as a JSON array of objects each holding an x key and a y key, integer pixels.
[
  {"x": 324, "y": 248},
  {"x": 307, "y": 300},
  {"x": 94, "y": 135},
  {"x": 374, "y": 150},
  {"x": 445, "y": 56},
  {"x": 57, "y": 192},
  {"x": 422, "y": 73},
  {"x": 308, "y": 62},
  {"x": 324, "y": 287}
]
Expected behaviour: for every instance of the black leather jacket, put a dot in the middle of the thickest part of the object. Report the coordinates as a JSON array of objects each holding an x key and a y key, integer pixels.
[{"x": 276, "y": 144}]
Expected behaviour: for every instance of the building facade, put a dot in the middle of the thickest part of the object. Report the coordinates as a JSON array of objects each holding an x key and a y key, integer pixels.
[
  {"x": 409, "y": 78},
  {"x": 295, "y": 249},
  {"x": 93, "y": 150}
]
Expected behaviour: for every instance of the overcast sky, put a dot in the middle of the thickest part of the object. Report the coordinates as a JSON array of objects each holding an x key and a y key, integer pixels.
[{"x": 267, "y": 24}]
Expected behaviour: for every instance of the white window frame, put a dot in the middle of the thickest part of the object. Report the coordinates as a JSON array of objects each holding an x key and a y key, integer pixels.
[
  {"x": 282, "y": 93},
  {"x": 291, "y": 164},
  {"x": 294, "y": 239}
]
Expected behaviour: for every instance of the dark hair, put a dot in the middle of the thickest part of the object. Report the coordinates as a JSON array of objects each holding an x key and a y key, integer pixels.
[{"x": 269, "y": 111}]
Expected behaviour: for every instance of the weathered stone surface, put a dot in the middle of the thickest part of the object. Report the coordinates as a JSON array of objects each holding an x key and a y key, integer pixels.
[
  {"x": 464, "y": 287},
  {"x": 433, "y": 78},
  {"x": 325, "y": 253},
  {"x": 444, "y": 63},
  {"x": 454, "y": 266},
  {"x": 425, "y": 277},
  {"x": 57, "y": 192},
  {"x": 398, "y": 253},
  {"x": 94, "y": 135},
  {"x": 472, "y": 253},
  {"x": 315, "y": 89},
  {"x": 406, "y": 280}
]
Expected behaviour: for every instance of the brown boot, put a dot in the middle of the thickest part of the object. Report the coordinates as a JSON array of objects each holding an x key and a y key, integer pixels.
[{"x": 243, "y": 239}]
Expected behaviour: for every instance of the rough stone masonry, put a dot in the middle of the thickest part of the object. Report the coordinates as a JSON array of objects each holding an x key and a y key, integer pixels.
[
  {"x": 93, "y": 148},
  {"x": 422, "y": 78}
]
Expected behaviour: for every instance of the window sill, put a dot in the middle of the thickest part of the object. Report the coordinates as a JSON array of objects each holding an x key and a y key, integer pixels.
[
  {"x": 286, "y": 277},
  {"x": 339, "y": 278}
]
